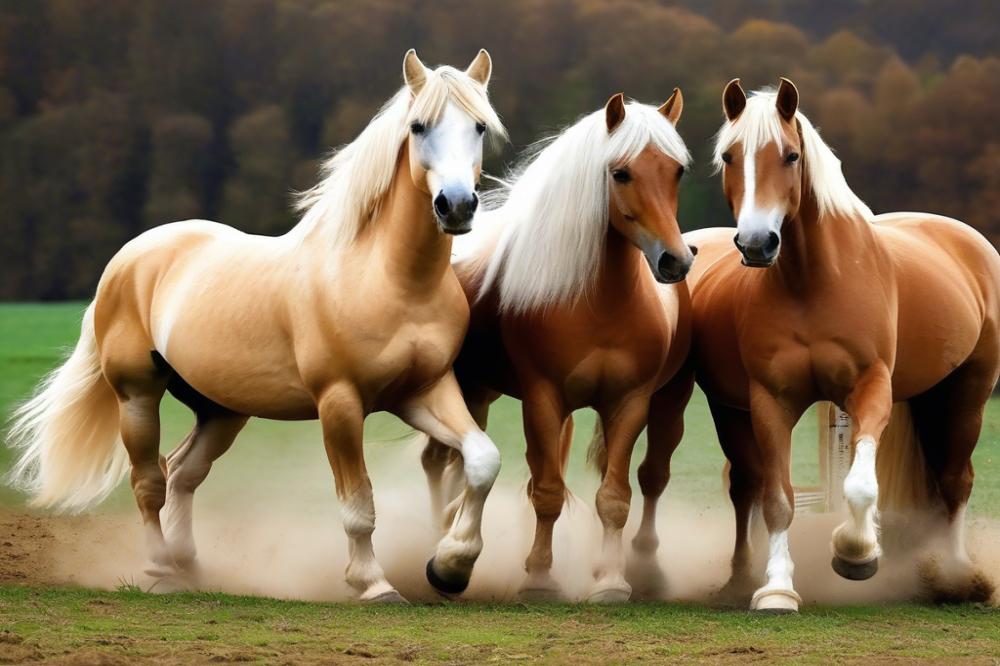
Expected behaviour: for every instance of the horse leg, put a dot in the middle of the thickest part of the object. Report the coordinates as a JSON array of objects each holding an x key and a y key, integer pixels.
[
  {"x": 443, "y": 464},
  {"x": 544, "y": 423},
  {"x": 622, "y": 425},
  {"x": 772, "y": 425},
  {"x": 440, "y": 411},
  {"x": 435, "y": 459},
  {"x": 187, "y": 466},
  {"x": 855, "y": 542},
  {"x": 139, "y": 386},
  {"x": 956, "y": 408},
  {"x": 342, "y": 417},
  {"x": 664, "y": 433},
  {"x": 735, "y": 430}
]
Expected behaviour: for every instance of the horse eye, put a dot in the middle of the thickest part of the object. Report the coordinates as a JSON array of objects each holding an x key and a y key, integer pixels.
[
  {"x": 481, "y": 127},
  {"x": 727, "y": 158},
  {"x": 792, "y": 157},
  {"x": 621, "y": 175},
  {"x": 680, "y": 173},
  {"x": 417, "y": 128}
]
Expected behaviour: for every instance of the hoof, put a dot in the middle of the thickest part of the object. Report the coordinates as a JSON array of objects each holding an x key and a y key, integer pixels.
[
  {"x": 613, "y": 594},
  {"x": 854, "y": 571},
  {"x": 540, "y": 589},
  {"x": 443, "y": 586},
  {"x": 159, "y": 570},
  {"x": 387, "y": 597},
  {"x": 647, "y": 579},
  {"x": 775, "y": 602}
]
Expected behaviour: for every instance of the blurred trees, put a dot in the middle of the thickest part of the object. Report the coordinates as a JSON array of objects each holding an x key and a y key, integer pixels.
[{"x": 118, "y": 115}]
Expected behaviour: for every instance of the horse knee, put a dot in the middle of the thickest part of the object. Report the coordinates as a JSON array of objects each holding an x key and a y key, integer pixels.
[
  {"x": 613, "y": 505},
  {"x": 435, "y": 457},
  {"x": 653, "y": 480},
  {"x": 547, "y": 498}
]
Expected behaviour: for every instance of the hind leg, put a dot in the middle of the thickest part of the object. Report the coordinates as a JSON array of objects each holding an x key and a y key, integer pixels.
[
  {"x": 664, "y": 433},
  {"x": 187, "y": 467},
  {"x": 735, "y": 431},
  {"x": 139, "y": 386},
  {"x": 949, "y": 419}
]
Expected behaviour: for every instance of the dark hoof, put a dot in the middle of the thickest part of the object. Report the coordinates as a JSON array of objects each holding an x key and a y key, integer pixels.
[
  {"x": 852, "y": 571},
  {"x": 442, "y": 585}
]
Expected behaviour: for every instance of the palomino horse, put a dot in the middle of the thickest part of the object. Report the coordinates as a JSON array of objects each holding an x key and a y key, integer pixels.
[
  {"x": 566, "y": 312},
  {"x": 354, "y": 310},
  {"x": 840, "y": 305}
]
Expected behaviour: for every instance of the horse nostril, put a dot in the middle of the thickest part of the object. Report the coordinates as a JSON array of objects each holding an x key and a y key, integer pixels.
[
  {"x": 474, "y": 204},
  {"x": 773, "y": 240},
  {"x": 667, "y": 264},
  {"x": 736, "y": 240},
  {"x": 441, "y": 205}
]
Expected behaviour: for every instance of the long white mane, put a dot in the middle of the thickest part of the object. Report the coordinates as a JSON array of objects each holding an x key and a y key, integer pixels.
[
  {"x": 759, "y": 124},
  {"x": 356, "y": 177},
  {"x": 552, "y": 219}
]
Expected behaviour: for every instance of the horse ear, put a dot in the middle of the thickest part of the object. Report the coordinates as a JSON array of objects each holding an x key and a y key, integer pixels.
[
  {"x": 481, "y": 67},
  {"x": 734, "y": 100},
  {"x": 414, "y": 72},
  {"x": 787, "y": 99},
  {"x": 672, "y": 108},
  {"x": 614, "y": 111}
]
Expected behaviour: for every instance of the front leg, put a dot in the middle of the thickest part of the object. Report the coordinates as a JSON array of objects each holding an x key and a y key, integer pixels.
[
  {"x": 440, "y": 411},
  {"x": 342, "y": 416},
  {"x": 773, "y": 421},
  {"x": 855, "y": 542},
  {"x": 622, "y": 425}
]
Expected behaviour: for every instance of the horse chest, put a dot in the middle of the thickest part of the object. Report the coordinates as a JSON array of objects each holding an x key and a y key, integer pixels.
[
  {"x": 799, "y": 353},
  {"x": 595, "y": 361}
]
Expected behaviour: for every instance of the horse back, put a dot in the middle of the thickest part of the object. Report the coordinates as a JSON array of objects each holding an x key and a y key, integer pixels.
[{"x": 947, "y": 278}]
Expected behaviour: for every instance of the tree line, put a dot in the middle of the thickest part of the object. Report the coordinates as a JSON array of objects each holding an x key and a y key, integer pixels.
[{"x": 119, "y": 115}]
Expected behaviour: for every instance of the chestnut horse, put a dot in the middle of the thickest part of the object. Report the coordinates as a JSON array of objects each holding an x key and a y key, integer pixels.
[
  {"x": 354, "y": 310},
  {"x": 839, "y": 305},
  {"x": 566, "y": 312}
]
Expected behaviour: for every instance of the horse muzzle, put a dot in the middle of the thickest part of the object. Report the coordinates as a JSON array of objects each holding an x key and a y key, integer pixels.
[
  {"x": 455, "y": 215},
  {"x": 759, "y": 251}
]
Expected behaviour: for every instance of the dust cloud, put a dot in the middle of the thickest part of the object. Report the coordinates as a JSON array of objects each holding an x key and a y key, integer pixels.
[{"x": 277, "y": 545}]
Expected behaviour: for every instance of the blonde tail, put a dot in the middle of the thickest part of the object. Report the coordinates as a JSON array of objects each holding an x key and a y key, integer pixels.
[
  {"x": 67, "y": 433},
  {"x": 597, "y": 452},
  {"x": 904, "y": 479}
]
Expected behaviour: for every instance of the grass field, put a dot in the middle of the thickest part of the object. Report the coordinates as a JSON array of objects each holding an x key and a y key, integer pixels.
[{"x": 42, "y": 623}]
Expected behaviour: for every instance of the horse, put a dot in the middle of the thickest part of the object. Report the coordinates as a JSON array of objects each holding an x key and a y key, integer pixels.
[
  {"x": 562, "y": 279},
  {"x": 356, "y": 309},
  {"x": 894, "y": 318}
]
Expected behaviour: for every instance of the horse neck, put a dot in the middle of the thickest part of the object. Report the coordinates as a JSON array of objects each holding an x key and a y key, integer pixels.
[
  {"x": 405, "y": 235},
  {"x": 817, "y": 250},
  {"x": 621, "y": 269}
]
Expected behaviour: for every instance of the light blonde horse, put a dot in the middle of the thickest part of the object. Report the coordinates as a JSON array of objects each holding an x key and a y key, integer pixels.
[{"x": 356, "y": 309}]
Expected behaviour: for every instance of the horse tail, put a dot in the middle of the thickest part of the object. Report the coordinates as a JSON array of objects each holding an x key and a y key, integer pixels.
[
  {"x": 904, "y": 478},
  {"x": 597, "y": 452},
  {"x": 67, "y": 433}
]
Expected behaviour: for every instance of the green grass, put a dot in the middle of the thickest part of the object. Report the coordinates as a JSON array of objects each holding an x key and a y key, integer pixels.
[
  {"x": 204, "y": 627},
  {"x": 48, "y": 623}
]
